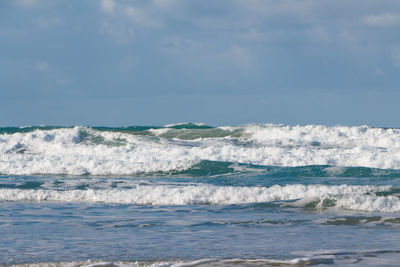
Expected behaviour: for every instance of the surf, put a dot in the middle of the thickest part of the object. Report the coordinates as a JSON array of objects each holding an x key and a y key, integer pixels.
[{"x": 82, "y": 150}]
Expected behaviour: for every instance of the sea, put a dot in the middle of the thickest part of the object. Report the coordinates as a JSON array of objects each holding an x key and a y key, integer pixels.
[{"x": 190, "y": 194}]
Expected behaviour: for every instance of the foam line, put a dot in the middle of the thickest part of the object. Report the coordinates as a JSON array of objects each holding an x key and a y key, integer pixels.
[{"x": 361, "y": 198}]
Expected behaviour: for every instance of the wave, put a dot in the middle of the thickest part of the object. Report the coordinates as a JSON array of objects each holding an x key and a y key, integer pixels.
[
  {"x": 361, "y": 198},
  {"x": 335, "y": 257},
  {"x": 132, "y": 129},
  {"x": 203, "y": 262},
  {"x": 174, "y": 148}
]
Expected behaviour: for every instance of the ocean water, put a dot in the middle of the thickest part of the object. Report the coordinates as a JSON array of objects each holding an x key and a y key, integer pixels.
[{"x": 195, "y": 195}]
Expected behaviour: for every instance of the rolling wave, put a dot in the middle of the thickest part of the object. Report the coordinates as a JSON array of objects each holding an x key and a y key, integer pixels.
[
  {"x": 360, "y": 198},
  {"x": 194, "y": 148}
]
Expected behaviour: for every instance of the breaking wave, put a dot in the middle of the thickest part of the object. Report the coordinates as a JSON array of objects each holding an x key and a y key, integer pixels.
[
  {"x": 361, "y": 198},
  {"x": 175, "y": 148}
]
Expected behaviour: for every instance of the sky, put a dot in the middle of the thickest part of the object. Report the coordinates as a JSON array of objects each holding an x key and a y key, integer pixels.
[{"x": 225, "y": 62}]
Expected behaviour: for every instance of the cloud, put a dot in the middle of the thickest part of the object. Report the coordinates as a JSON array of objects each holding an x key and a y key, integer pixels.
[
  {"x": 240, "y": 56},
  {"x": 134, "y": 13},
  {"x": 348, "y": 36},
  {"x": 396, "y": 59},
  {"x": 261, "y": 9},
  {"x": 62, "y": 81},
  {"x": 251, "y": 34},
  {"x": 164, "y": 3},
  {"x": 381, "y": 20},
  {"x": 124, "y": 18},
  {"x": 319, "y": 33},
  {"x": 139, "y": 16},
  {"x": 27, "y": 3},
  {"x": 48, "y": 23},
  {"x": 42, "y": 66},
  {"x": 379, "y": 72},
  {"x": 180, "y": 44},
  {"x": 120, "y": 32},
  {"x": 107, "y": 6},
  {"x": 51, "y": 73}
]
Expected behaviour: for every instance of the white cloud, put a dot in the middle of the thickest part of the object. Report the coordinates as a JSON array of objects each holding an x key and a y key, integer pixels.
[
  {"x": 164, "y": 3},
  {"x": 27, "y": 3},
  {"x": 51, "y": 73},
  {"x": 259, "y": 9},
  {"x": 139, "y": 16},
  {"x": 63, "y": 81},
  {"x": 381, "y": 20},
  {"x": 252, "y": 34},
  {"x": 181, "y": 44},
  {"x": 124, "y": 17},
  {"x": 240, "y": 56},
  {"x": 348, "y": 36},
  {"x": 47, "y": 23},
  {"x": 379, "y": 72},
  {"x": 396, "y": 59},
  {"x": 128, "y": 13},
  {"x": 107, "y": 6},
  {"x": 120, "y": 32},
  {"x": 133, "y": 12},
  {"x": 319, "y": 33},
  {"x": 42, "y": 66}
]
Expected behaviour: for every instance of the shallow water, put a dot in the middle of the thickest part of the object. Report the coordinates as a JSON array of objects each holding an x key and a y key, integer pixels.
[{"x": 67, "y": 230}]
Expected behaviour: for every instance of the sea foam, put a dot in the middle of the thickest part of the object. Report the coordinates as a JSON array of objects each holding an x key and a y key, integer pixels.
[
  {"x": 361, "y": 198},
  {"x": 84, "y": 150}
]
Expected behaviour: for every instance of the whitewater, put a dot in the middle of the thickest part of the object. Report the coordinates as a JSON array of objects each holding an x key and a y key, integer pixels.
[
  {"x": 190, "y": 194},
  {"x": 118, "y": 151}
]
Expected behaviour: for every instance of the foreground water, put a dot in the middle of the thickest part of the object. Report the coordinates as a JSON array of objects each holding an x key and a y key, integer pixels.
[{"x": 193, "y": 195}]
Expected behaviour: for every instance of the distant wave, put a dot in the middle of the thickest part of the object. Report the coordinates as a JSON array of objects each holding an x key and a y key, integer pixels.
[{"x": 177, "y": 148}]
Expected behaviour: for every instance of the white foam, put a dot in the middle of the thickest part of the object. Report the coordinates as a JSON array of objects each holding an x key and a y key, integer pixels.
[
  {"x": 202, "y": 262},
  {"x": 360, "y": 136},
  {"x": 345, "y": 196},
  {"x": 343, "y": 258},
  {"x": 70, "y": 151},
  {"x": 335, "y": 170},
  {"x": 64, "y": 151},
  {"x": 369, "y": 203}
]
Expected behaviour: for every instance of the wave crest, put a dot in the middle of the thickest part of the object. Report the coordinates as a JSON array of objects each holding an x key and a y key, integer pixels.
[
  {"x": 125, "y": 151},
  {"x": 362, "y": 198}
]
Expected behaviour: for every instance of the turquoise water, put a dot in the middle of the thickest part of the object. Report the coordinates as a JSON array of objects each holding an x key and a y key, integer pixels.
[{"x": 193, "y": 195}]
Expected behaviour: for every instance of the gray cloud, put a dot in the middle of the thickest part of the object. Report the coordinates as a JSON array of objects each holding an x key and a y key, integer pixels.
[{"x": 167, "y": 48}]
